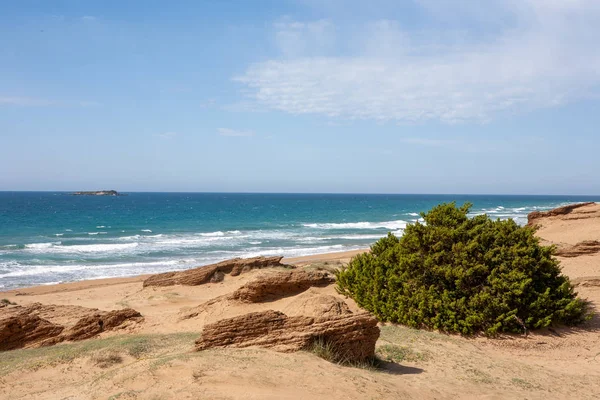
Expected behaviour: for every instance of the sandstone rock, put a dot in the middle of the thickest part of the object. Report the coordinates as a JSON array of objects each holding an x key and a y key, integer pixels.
[
  {"x": 214, "y": 272},
  {"x": 534, "y": 216},
  {"x": 317, "y": 305},
  {"x": 44, "y": 325},
  {"x": 283, "y": 284},
  {"x": 20, "y": 330},
  {"x": 91, "y": 325},
  {"x": 579, "y": 249},
  {"x": 265, "y": 288},
  {"x": 353, "y": 336}
]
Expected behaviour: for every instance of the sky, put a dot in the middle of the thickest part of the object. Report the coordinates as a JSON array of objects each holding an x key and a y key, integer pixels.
[{"x": 328, "y": 96}]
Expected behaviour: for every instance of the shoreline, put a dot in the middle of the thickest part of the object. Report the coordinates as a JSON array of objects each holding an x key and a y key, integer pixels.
[{"x": 104, "y": 282}]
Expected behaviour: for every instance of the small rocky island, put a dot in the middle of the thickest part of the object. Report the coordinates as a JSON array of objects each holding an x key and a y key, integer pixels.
[{"x": 98, "y": 193}]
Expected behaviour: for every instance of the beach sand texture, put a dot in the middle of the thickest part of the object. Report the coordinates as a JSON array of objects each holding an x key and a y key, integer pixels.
[{"x": 155, "y": 359}]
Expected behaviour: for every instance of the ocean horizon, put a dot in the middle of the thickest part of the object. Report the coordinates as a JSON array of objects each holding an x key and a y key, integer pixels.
[{"x": 54, "y": 237}]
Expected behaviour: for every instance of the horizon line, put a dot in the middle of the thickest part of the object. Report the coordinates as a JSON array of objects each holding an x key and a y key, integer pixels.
[{"x": 307, "y": 193}]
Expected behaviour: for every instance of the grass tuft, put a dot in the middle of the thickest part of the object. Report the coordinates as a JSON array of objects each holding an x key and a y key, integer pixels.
[
  {"x": 325, "y": 349},
  {"x": 107, "y": 359},
  {"x": 397, "y": 354}
]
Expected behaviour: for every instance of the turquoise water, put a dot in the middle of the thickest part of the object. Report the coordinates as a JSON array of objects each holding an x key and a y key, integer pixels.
[{"x": 56, "y": 237}]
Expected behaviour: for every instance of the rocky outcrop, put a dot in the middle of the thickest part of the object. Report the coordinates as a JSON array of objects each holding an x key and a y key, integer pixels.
[
  {"x": 214, "y": 272},
  {"x": 533, "y": 217},
  {"x": 98, "y": 193},
  {"x": 317, "y": 305},
  {"x": 352, "y": 336},
  {"x": 92, "y": 325},
  {"x": 579, "y": 249},
  {"x": 21, "y": 330},
  {"x": 44, "y": 325},
  {"x": 279, "y": 285},
  {"x": 266, "y": 288}
]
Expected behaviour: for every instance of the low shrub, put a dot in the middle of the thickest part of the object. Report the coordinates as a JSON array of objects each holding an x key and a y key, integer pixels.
[{"x": 466, "y": 275}]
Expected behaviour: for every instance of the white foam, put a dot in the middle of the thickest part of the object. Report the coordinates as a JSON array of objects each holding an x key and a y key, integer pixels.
[
  {"x": 147, "y": 230},
  {"x": 360, "y": 237},
  {"x": 41, "y": 245},
  {"x": 212, "y": 234},
  {"x": 134, "y": 237},
  {"x": 97, "y": 233},
  {"x": 413, "y": 214},
  {"x": 399, "y": 224},
  {"x": 58, "y": 234},
  {"x": 294, "y": 251},
  {"x": 100, "y": 226},
  {"x": 34, "y": 270},
  {"x": 81, "y": 248}
]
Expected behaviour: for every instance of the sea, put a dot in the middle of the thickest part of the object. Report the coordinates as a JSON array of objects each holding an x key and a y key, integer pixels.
[{"x": 54, "y": 237}]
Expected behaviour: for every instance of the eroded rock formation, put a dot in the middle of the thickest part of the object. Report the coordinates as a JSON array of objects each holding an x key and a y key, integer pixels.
[
  {"x": 214, "y": 272},
  {"x": 265, "y": 288},
  {"x": 353, "y": 336},
  {"x": 536, "y": 215},
  {"x": 283, "y": 284},
  {"x": 579, "y": 249},
  {"x": 44, "y": 325},
  {"x": 21, "y": 330}
]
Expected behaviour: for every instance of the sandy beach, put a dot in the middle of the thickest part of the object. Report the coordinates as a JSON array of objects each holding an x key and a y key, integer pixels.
[{"x": 155, "y": 359}]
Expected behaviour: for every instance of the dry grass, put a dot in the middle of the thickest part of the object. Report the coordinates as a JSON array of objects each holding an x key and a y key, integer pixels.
[
  {"x": 136, "y": 346},
  {"x": 107, "y": 359},
  {"x": 398, "y": 354},
  {"x": 326, "y": 350}
]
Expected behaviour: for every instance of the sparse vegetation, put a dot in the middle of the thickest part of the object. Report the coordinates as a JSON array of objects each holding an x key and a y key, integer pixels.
[
  {"x": 7, "y": 302},
  {"x": 135, "y": 345},
  {"x": 107, "y": 359},
  {"x": 466, "y": 275},
  {"x": 522, "y": 383},
  {"x": 398, "y": 354},
  {"x": 325, "y": 349}
]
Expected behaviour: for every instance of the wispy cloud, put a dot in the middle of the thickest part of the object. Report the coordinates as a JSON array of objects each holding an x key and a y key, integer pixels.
[
  {"x": 166, "y": 135},
  {"x": 546, "y": 57},
  {"x": 234, "y": 132},
  {"x": 88, "y": 18}
]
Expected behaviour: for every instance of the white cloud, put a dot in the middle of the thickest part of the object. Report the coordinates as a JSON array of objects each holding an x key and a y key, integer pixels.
[
  {"x": 301, "y": 38},
  {"x": 234, "y": 133},
  {"x": 166, "y": 135},
  {"x": 546, "y": 56}
]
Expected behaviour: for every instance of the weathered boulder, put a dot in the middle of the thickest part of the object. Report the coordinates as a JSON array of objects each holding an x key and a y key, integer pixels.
[
  {"x": 95, "y": 323},
  {"x": 22, "y": 329},
  {"x": 44, "y": 325},
  {"x": 532, "y": 217},
  {"x": 213, "y": 272},
  {"x": 353, "y": 336},
  {"x": 317, "y": 305},
  {"x": 579, "y": 249},
  {"x": 283, "y": 284}
]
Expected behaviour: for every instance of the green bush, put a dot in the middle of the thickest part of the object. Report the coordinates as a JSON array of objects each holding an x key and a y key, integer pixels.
[{"x": 459, "y": 274}]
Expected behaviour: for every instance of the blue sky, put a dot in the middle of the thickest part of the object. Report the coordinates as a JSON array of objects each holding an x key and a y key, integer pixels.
[{"x": 414, "y": 96}]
